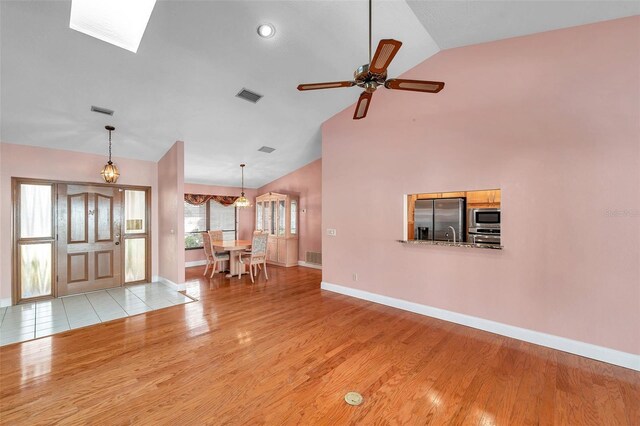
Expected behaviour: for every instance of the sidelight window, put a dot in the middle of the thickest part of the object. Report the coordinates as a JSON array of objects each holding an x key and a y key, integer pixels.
[{"x": 35, "y": 240}]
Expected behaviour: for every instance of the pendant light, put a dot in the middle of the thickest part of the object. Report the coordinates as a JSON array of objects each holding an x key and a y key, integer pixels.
[
  {"x": 110, "y": 172},
  {"x": 242, "y": 201}
]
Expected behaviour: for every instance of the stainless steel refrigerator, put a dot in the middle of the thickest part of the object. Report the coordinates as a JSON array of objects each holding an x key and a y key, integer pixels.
[{"x": 434, "y": 219}]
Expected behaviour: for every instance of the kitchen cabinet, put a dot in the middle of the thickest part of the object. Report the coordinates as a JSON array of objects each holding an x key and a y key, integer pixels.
[
  {"x": 488, "y": 198},
  {"x": 277, "y": 214}
]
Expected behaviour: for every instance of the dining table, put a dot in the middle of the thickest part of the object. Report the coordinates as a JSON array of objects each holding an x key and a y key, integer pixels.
[{"x": 233, "y": 247}]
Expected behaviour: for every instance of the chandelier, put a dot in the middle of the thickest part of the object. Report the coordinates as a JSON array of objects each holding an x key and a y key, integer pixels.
[
  {"x": 110, "y": 172},
  {"x": 242, "y": 201}
]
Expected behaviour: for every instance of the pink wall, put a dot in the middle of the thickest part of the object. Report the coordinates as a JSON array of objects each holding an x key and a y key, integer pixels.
[
  {"x": 306, "y": 182},
  {"x": 552, "y": 120},
  {"x": 5, "y": 295},
  {"x": 171, "y": 214},
  {"x": 56, "y": 164},
  {"x": 246, "y": 216}
]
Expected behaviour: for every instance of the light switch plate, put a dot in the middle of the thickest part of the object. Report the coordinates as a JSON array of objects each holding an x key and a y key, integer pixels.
[{"x": 331, "y": 232}]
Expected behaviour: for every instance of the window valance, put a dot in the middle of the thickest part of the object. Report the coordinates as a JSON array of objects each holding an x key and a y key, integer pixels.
[{"x": 199, "y": 199}]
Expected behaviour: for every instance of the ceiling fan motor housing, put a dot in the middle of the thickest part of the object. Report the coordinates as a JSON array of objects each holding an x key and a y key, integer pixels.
[{"x": 367, "y": 80}]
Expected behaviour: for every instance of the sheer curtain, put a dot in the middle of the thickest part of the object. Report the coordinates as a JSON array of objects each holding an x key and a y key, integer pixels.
[
  {"x": 35, "y": 211},
  {"x": 35, "y": 222}
]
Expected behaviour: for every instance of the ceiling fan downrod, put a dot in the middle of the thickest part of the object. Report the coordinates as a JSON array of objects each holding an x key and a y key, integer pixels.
[{"x": 374, "y": 74}]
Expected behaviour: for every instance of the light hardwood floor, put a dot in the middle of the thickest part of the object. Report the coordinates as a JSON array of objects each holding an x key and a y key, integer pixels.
[{"x": 285, "y": 352}]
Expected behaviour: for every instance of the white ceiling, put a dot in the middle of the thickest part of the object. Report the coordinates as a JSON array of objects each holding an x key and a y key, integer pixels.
[
  {"x": 196, "y": 55},
  {"x": 454, "y": 23},
  {"x": 181, "y": 85}
]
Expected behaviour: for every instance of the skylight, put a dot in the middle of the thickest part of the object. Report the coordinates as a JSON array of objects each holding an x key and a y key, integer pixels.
[{"x": 119, "y": 22}]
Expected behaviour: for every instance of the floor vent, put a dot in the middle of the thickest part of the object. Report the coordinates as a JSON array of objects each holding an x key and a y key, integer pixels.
[
  {"x": 248, "y": 95},
  {"x": 314, "y": 257},
  {"x": 353, "y": 398}
]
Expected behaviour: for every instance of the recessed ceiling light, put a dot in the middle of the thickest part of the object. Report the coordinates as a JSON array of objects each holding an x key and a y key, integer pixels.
[
  {"x": 119, "y": 22},
  {"x": 266, "y": 30}
]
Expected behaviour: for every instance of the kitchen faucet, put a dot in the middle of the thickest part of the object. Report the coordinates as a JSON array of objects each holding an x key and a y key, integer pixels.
[{"x": 454, "y": 234}]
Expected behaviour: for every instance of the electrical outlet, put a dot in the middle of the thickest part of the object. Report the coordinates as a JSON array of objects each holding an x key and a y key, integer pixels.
[
  {"x": 355, "y": 276},
  {"x": 331, "y": 232}
]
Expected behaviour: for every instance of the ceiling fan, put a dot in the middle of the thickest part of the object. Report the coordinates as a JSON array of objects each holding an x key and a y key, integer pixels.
[{"x": 374, "y": 74}]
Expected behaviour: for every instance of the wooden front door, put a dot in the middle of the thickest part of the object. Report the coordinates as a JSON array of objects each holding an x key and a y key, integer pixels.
[{"x": 89, "y": 235}]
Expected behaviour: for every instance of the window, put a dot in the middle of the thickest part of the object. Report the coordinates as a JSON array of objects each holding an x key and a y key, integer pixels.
[
  {"x": 195, "y": 221},
  {"x": 223, "y": 217},
  {"x": 36, "y": 240},
  {"x": 135, "y": 211},
  {"x": 205, "y": 217},
  {"x": 136, "y": 236}
]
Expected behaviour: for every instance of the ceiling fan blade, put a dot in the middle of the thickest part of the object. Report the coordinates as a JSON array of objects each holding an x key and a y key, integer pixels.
[
  {"x": 414, "y": 85},
  {"x": 331, "y": 85},
  {"x": 385, "y": 53},
  {"x": 362, "y": 106}
]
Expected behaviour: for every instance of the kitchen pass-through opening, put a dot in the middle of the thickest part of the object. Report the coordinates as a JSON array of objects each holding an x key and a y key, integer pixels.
[{"x": 461, "y": 217}]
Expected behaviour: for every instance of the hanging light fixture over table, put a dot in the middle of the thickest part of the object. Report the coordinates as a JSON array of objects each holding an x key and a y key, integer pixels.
[
  {"x": 110, "y": 172},
  {"x": 242, "y": 201}
]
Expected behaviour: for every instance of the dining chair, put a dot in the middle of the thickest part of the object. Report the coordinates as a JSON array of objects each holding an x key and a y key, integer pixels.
[
  {"x": 213, "y": 257},
  {"x": 256, "y": 257}
]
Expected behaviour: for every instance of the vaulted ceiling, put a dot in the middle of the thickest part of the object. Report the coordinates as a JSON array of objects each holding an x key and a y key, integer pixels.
[{"x": 196, "y": 55}]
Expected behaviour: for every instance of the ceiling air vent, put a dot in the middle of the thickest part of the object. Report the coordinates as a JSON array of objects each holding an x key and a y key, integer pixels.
[
  {"x": 101, "y": 110},
  {"x": 267, "y": 149},
  {"x": 248, "y": 95}
]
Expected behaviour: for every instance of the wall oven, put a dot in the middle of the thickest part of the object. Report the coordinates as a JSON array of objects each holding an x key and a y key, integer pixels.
[
  {"x": 484, "y": 226},
  {"x": 484, "y": 239}
]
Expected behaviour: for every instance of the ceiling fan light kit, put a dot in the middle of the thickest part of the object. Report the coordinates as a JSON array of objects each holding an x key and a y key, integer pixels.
[{"x": 374, "y": 74}]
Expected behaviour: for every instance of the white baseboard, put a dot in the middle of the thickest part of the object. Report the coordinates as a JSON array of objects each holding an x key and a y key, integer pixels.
[
  {"x": 195, "y": 263},
  {"x": 5, "y": 302},
  {"x": 309, "y": 265},
  {"x": 170, "y": 284},
  {"x": 600, "y": 353}
]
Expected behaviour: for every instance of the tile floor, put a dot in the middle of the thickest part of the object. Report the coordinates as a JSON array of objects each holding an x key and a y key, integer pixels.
[{"x": 32, "y": 320}]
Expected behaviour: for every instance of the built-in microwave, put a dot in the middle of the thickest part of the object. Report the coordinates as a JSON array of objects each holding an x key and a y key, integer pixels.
[{"x": 484, "y": 218}]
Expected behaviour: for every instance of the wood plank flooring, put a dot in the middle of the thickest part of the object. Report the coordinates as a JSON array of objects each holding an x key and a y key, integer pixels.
[{"x": 285, "y": 352}]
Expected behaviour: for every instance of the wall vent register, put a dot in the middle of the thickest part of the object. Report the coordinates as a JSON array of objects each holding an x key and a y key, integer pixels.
[{"x": 313, "y": 257}]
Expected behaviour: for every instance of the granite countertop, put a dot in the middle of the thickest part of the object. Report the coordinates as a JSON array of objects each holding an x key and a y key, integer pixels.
[{"x": 450, "y": 244}]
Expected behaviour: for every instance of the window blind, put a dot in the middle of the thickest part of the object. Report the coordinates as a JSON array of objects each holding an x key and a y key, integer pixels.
[{"x": 223, "y": 218}]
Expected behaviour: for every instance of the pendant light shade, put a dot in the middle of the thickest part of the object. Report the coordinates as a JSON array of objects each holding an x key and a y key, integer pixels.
[
  {"x": 242, "y": 201},
  {"x": 110, "y": 172}
]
